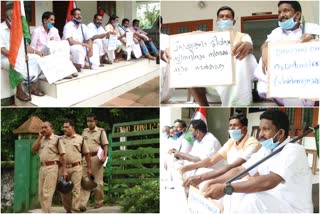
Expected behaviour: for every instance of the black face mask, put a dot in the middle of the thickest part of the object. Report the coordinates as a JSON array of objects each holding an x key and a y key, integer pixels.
[{"x": 97, "y": 24}]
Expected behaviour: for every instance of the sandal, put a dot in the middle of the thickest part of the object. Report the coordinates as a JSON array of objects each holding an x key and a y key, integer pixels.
[
  {"x": 24, "y": 97},
  {"x": 37, "y": 93}
]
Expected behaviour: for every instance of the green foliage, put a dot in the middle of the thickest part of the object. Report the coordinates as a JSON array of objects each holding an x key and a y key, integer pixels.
[
  {"x": 12, "y": 118},
  {"x": 142, "y": 198},
  {"x": 149, "y": 15}
]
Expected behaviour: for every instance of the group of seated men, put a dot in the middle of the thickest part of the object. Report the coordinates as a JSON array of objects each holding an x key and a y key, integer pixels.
[
  {"x": 280, "y": 184},
  {"x": 87, "y": 46},
  {"x": 246, "y": 67}
]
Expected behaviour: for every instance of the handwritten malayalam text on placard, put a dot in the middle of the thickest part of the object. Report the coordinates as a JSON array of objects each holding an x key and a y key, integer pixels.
[
  {"x": 55, "y": 67},
  {"x": 201, "y": 59},
  {"x": 129, "y": 39},
  {"x": 112, "y": 45},
  {"x": 198, "y": 204},
  {"x": 294, "y": 70}
]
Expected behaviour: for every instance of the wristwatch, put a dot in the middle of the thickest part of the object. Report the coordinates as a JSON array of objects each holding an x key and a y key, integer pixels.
[{"x": 228, "y": 190}]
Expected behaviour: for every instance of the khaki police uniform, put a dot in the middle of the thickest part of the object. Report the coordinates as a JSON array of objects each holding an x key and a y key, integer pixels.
[
  {"x": 94, "y": 139},
  {"x": 49, "y": 153},
  {"x": 75, "y": 147}
]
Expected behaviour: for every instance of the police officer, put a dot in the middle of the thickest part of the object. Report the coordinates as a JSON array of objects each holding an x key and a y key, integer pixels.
[
  {"x": 75, "y": 147},
  {"x": 50, "y": 151},
  {"x": 95, "y": 137}
]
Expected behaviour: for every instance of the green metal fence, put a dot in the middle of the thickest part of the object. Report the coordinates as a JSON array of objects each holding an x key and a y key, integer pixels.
[{"x": 133, "y": 155}]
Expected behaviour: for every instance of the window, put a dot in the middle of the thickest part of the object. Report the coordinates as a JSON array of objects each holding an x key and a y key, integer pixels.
[{"x": 183, "y": 27}]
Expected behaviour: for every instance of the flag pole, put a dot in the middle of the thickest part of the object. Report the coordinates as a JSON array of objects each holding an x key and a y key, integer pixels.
[{"x": 27, "y": 63}]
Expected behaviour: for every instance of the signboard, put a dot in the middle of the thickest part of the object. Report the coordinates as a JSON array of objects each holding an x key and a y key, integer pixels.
[
  {"x": 201, "y": 59},
  {"x": 137, "y": 127},
  {"x": 56, "y": 67},
  {"x": 129, "y": 39},
  {"x": 112, "y": 45},
  {"x": 197, "y": 203},
  {"x": 294, "y": 70}
]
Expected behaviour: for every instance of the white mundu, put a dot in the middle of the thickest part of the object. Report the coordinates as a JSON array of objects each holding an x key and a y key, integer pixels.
[
  {"x": 34, "y": 69},
  {"x": 110, "y": 28},
  {"x": 135, "y": 48},
  {"x": 293, "y": 195},
  {"x": 80, "y": 34},
  {"x": 239, "y": 94},
  {"x": 280, "y": 35},
  {"x": 102, "y": 43}
]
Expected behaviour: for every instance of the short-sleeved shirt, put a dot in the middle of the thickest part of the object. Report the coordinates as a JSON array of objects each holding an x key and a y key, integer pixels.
[
  {"x": 231, "y": 151},
  {"x": 207, "y": 147},
  {"x": 5, "y": 37},
  {"x": 74, "y": 146},
  {"x": 40, "y": 37},
  {"x": 51, "y": 149},
  {"x": 292, "y": 165},
  {"x": 71, "y": 30},
  {"x": 111, "y": 28},
  {"x": 95, "y": 138},
  {"x": 94, "y": 30},
  {"x": 279, "y": 34}
]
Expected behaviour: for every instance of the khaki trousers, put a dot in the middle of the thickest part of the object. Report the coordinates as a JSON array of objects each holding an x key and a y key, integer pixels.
[
  {"x": 48, "y": 176},
  {"x": 97, "y": 172}
]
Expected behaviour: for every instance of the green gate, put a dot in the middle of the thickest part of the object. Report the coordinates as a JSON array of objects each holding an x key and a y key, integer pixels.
[{"x": 133, "y": 155}]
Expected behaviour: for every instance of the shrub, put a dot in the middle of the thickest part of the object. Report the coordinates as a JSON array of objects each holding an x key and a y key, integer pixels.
[{"x": 142, "y": 198}]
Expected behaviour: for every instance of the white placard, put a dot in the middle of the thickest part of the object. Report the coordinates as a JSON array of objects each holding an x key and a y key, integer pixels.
[
  {"x": 201, "y": 59},
  {"x": 198, "y": 204},
  {"x": 312, "y": 28},
  {"x": 294, "y": 70},
  {"x": 129, "y": 39},
  {"x": 112, "y": 45},
  {"x": 56, "y": 67}
]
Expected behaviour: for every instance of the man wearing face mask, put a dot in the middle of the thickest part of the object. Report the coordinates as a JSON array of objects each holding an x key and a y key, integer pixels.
[
  {"x": 101, "y": 39},
  {"x": 290, "y": 28},
  {"x": 280, "y": 184},
  {"x": 205, "y": 144},
  {"x": 237, "y": 150},
  {"x": 33, "y": 56},
  {"x": 239, "y": 94},
  {"x": 96, "y": 138},
  {"x": 146, "y": 44},
  {"x": 80, "y": 40}
]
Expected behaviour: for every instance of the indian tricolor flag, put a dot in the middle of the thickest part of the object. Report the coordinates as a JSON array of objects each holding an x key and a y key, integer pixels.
[
  {"x": 201, "y": 113},
  {"x": 72, "y": 4},
  {"x": 18, "y": 33}
]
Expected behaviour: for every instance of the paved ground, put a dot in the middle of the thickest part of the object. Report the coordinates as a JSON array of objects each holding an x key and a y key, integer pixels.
[
  {"x": 107, "y": 209},
  {"x": 144, "y": 95}
]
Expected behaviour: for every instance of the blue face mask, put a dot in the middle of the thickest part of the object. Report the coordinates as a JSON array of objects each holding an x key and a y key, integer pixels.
[
  {"x": 97, "y": 25},
  {"x": 77, "y": 22},
  {"x": 288, "y": 24},
  {"x": 49, "y": 25},
  {"x": 224, "y": 24},
  {"x": 269, "y": 144},
  {"x": 235, "y": 134},
  {"x": 116, "y": 24}
]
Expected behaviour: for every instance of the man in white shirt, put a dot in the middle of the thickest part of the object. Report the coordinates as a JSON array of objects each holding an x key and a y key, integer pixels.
[
  {"x": 237, "y": 150},
  {"x": 204, "y": 146},
  {"x": 280, "y": 184},
  {"x": 290, "y": 28},
  {"x": 80, "y": 40},
  {"x": 101, "y": 39},
  {"x": 239, "y": 94},
  {"x": 33, "y": 56}
]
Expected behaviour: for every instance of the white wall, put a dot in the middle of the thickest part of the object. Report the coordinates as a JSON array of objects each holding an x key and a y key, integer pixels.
[
  {"x": 169, "y": 115},
  {"x": 190, "y": 11},
  {"x": 88, "y": 9},
  {"x": 218, "y": 123},
  {"x": 126, "y": 9}
]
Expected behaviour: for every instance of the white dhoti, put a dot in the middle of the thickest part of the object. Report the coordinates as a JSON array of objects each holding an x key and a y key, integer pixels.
[
  {"x": 34, "y": 68},
  {"x": 103, "y": 48},
  {"x": 239, "y": 94},
  {"x": 79, "y": 53},
  {"x": 260, "y": 202}
]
